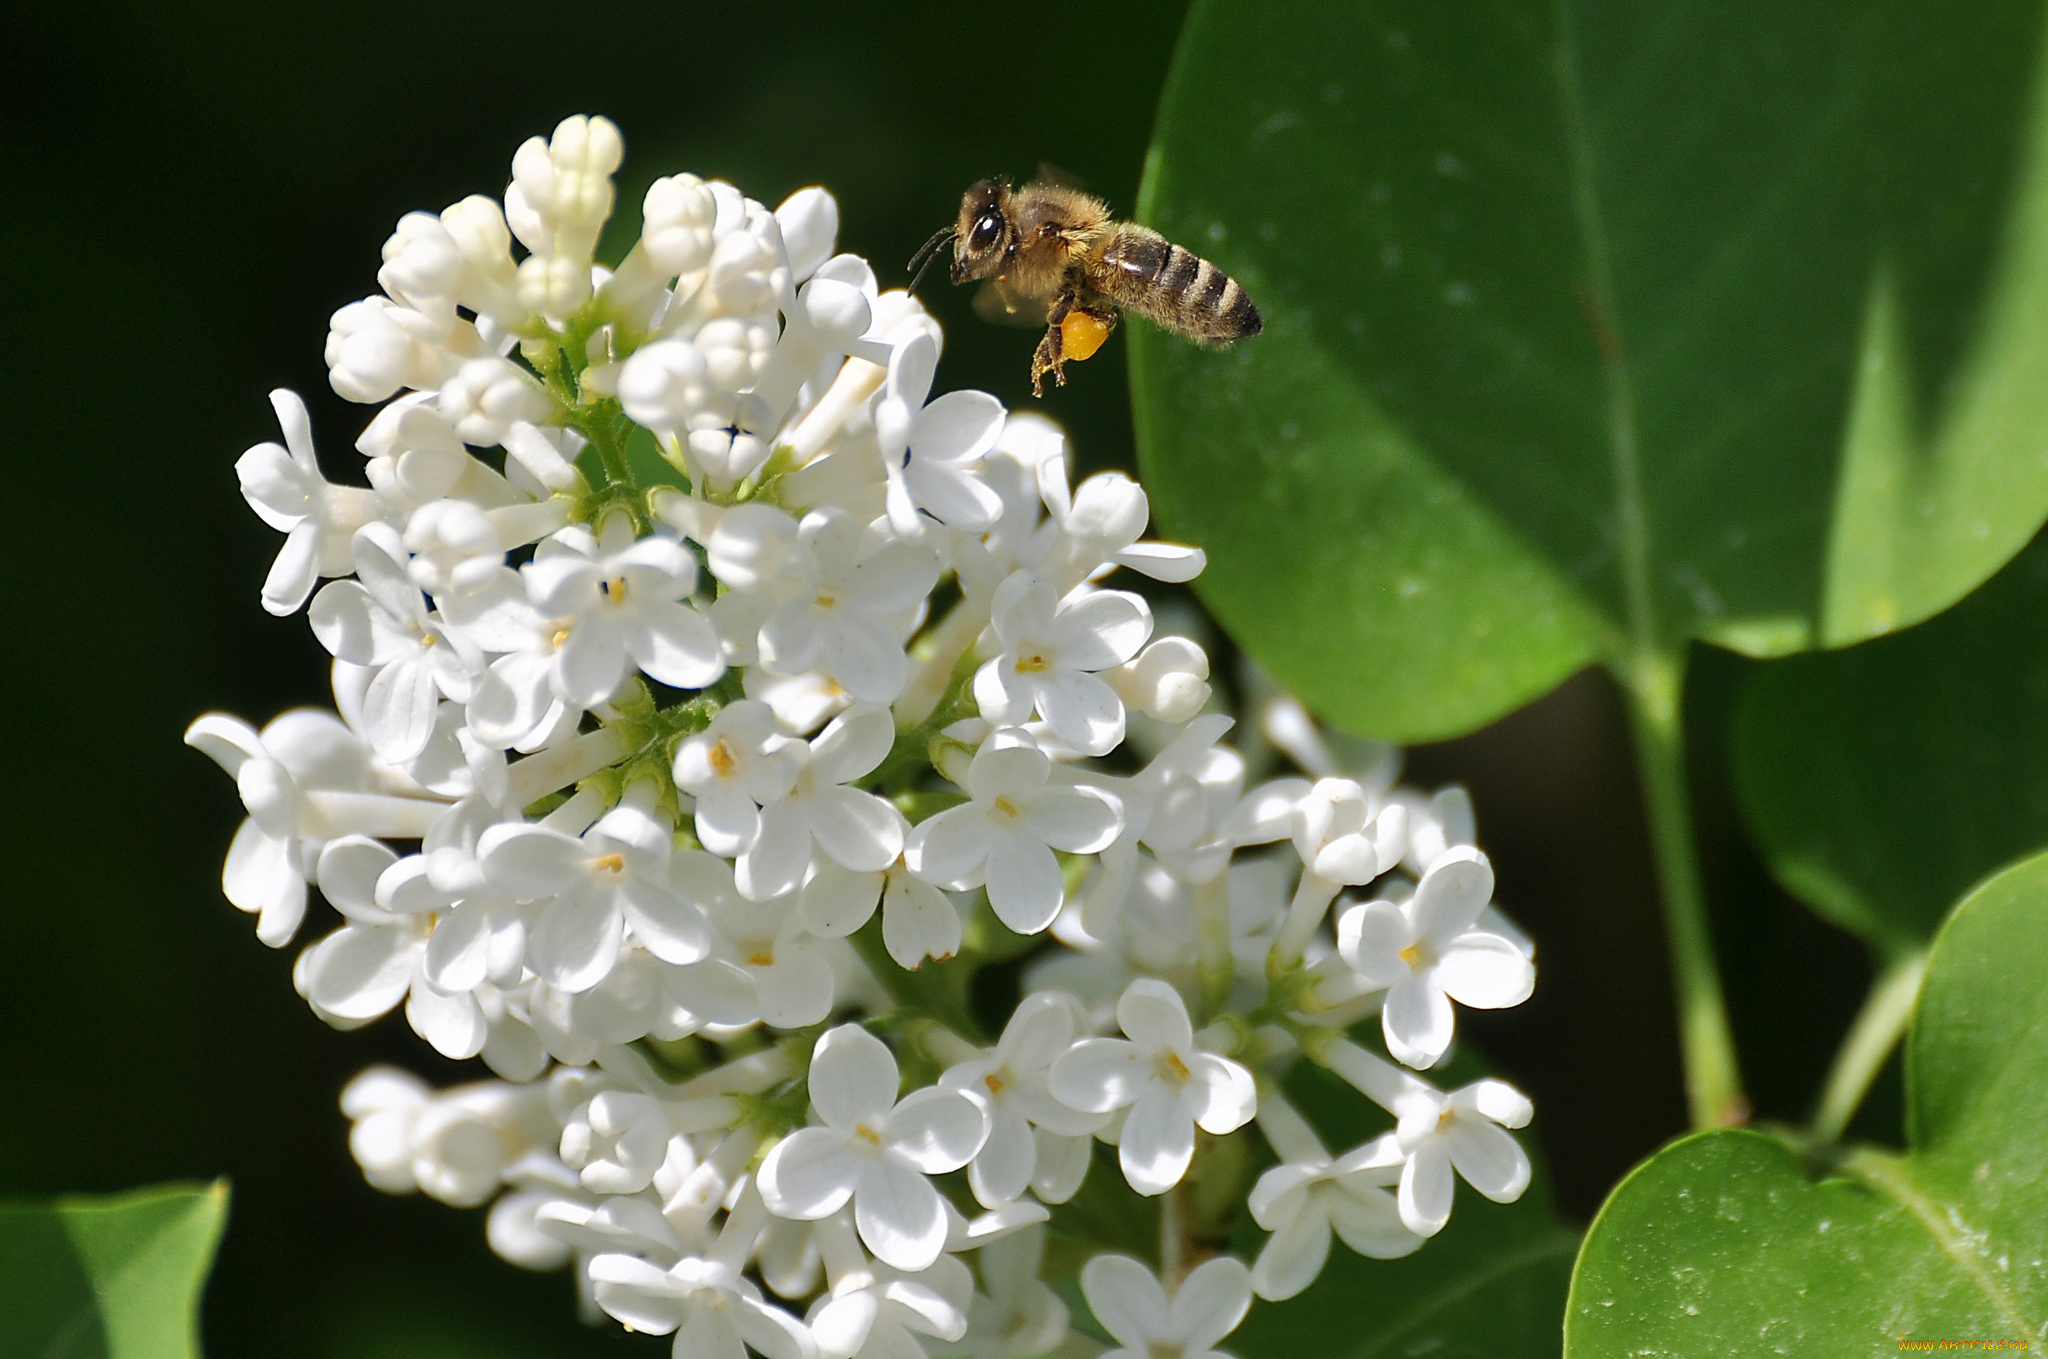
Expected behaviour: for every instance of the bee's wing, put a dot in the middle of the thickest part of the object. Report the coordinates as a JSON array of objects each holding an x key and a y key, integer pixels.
[
  {"x": 998, "y": 303},
  {"x": 1048, "y": 173}
]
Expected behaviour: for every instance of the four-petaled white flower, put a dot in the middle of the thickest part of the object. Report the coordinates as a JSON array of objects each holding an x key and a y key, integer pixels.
[
  {"x": 1015, "y": 1316},
  {"x": 380, "y": 620},
  {"x": 1168, "y": 1084},
  {"x": 1462, "y": 1130},
  {"x": 1302, "y": 1201},
  {"x": 619, "y": 602},
  {"x": 874, "y": 1150},
  {"x": 930, "y": 450},
  {"x": 1428, "y": 952},
  {"x": 591, "y": 887},
  {"x": 1013, "y": 1079},
  {"x": 283, "y": 484},
  {"x": 855, "y": 829},
  {"x": 852, "y": 605},
  {"x": 714, "y": 1312},
  {"x": 1052, "y": 651},
  {"x": 1127, "y": 1299},
  {"x": 1005, "y": 836},
  {"x": 742, "y": 759}
]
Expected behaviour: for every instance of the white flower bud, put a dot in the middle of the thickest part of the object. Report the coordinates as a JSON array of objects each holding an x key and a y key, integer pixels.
[
  {"x": 677, "y": 218},
  {"x": 617, "y": 1141},
  {"x": 736, "y": 350},
  {"x": 422, "y": 266},
  {"x": 486, "y": 397},
  {"x": 457, "y": 549},
  {"x": 375, "y": 347},
  {"x": 560, "y": 196},
  {"x": 810, "y": 228},
  {"x": 1167, "y": 681},
  {"x": 665, "y": 383},
  {"x": 741, "y": 279}
]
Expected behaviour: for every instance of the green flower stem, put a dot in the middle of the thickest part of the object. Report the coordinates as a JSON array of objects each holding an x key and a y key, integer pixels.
[
  {"x": 1713, "y": 1083},
  {"x": 1214, "y": 964},
  {"x": 1173, "y": 1240},
  {"x": 1876, "y": 1031}
]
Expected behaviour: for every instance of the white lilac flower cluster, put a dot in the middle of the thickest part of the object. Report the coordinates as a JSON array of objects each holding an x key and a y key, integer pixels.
[{"x": 711, "y": 701}]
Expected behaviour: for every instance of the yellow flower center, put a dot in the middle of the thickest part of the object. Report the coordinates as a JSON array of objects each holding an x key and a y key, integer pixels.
[
  {"x": 1172, "y": 1069},
  {"x": 614, "y": 590},
  {"x": 995, "y": 1083},
  {"x": 1005, "y": 807},
  {"x": 762, "y": 958},
  {"x": 1033, "y": 664},
  {"x": 610, "y": 863},
  {"x": 723, "y": 761},
  {"x": 561, "y": 636},
  {"x": 1412, "y": 955},
  {"x": 867, "y": 1134}
]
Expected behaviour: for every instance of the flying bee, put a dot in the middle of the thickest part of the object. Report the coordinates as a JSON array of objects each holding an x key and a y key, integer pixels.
[{"x": 1050, "y": 246}]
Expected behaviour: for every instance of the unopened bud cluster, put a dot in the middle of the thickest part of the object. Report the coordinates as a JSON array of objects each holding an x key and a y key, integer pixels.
[{"x": 711, "y": 702}]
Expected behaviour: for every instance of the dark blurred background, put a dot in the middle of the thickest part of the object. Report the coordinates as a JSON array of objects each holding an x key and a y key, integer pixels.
[{"x": 186, "y": 194}]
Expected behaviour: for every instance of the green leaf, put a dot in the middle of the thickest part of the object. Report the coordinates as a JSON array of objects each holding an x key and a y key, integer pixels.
[
  {"x": 1884, "y": 780},
  {"x": 1491, "y": 1284},
  {"x": 1594, "y": 326},
  {"x": 1723, "y": 1244},
  {"x": 114, "y": 1276}
]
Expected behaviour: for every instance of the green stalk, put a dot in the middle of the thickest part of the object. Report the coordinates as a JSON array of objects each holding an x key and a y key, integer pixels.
[
  {"x": 1713, "y": 1083},
  {"x": 1878, "y": 1027}
]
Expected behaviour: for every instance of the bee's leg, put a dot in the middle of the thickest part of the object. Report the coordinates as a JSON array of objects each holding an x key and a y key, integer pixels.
[
  {"x": 1051, "y": 355},
  {"x": 1049, "y": 359}
]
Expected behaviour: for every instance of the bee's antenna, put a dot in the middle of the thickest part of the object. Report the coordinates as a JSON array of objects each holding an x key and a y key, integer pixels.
[{"x": 926, "y": 253}]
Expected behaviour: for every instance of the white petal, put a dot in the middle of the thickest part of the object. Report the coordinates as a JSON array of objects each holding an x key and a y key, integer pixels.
[
  {"x": 936, "y": 1129},
  {"x": 1126, "y": 1299},
  {"x": 900, "y": 1216},
  {"x": 1425, "y": 1192},
  {"x": 1485, "y": 971},
  {"x": 797, "y": 990},
  {"x": 808, "y": 1175},
  {"x": 1452, "y": 893},
  {"x": 360, "y": 971},
  {"x": 857, "y": 829},
  {"x": 1152, "y": 1013},
  {"x": 950, "y": 847},
  {"x": 1227, "y": 1096},
  {"x": 672, "y": 929},
  {"x": 1024, "y": 882},
  {"x": 1491, "y": 1161},
  {"x": 1003, "y": 1168},
  {"x": 1100, "y": 1074},
  {"x": 1158, "y": 1142},
  {"x": 853, "y": 1079},
  {"x": 453, "y": 1025},
  {"x": 1417, "y": 1021},
  {"x": 1292, "y": 1257},
  {"x": 677, "y": 646},
  {"x": 1210, "y": 1302},
  {"x": 575, "y": 944}
]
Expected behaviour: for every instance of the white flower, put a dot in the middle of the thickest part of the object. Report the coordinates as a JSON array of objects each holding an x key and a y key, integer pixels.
[
  {"x": 284, "y": 486},
  {"x": 930, "y": 450},
  {"x": 1013, "y": 1080},
  {"x": 487, "y": 396},
  {"x": 1168, "y": 1085},
  {"x": 874, "y": 1150},
  {"x": 856, "y": 600},
  {"x": 1427, "y": 952},
  {"x": 1052, "y": 648},
  {"x": 305, "y": 780},
  {"x": 855, "y": 829},
  {"x": 454, "y": 1145},
  {"x": 380, "y": 620},
  {"x": 739, "y": 761},
  {"x": 1005, "y": 837},
  {"x": 619, "y": 602},
  {"x": 1099, "y": 530},
  {"x": 714, "y": 1312},
  {"x": 377, "y": 348},
  {"x": 364, "y": 969},
  {"x": 591, "y": 888},
  {"x": 1344, "y": 836},
  {"x": 1305, "y": 1197},
  {"x": 877, "y": 1312},
  {"x": 1015, "y": 1316},
  {"x": 1127, "y": 1299},
  {"x": 918, "y": 921},
  {"x": 765, "y": 968},
  {"x": 616, "y": 1141},
  {"x": 1463, "y": 1130}
]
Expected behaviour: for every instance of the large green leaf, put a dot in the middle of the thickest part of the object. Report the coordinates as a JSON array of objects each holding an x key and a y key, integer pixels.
[
  {"x": 1594, "y": 326},
  {"x": 114, "y": 1276},
  {"x": 1723, "y": 1244},
  {"x": 1882, "y": 781},
  {"x": 1491, "y": 1285}
]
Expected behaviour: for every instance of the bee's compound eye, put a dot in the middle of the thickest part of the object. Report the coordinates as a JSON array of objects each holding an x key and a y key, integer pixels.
[{"x": 987, "y": 229}]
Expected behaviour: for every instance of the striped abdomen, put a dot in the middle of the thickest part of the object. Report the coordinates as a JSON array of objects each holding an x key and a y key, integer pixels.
[{"x": 1144, "y": 273}]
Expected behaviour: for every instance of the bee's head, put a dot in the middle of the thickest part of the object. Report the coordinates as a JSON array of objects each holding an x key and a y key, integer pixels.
[{"x": 985, "y": 234}]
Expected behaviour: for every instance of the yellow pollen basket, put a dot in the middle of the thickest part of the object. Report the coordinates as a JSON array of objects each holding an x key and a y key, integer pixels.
[
  {"x": 1081, "y": 335},
  {"x": 723, "y": 761},
  {"x": 610, "y": 863}
]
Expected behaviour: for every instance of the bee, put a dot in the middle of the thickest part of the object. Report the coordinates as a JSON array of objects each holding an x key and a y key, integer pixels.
[{"x": 1050, "y": 245}]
